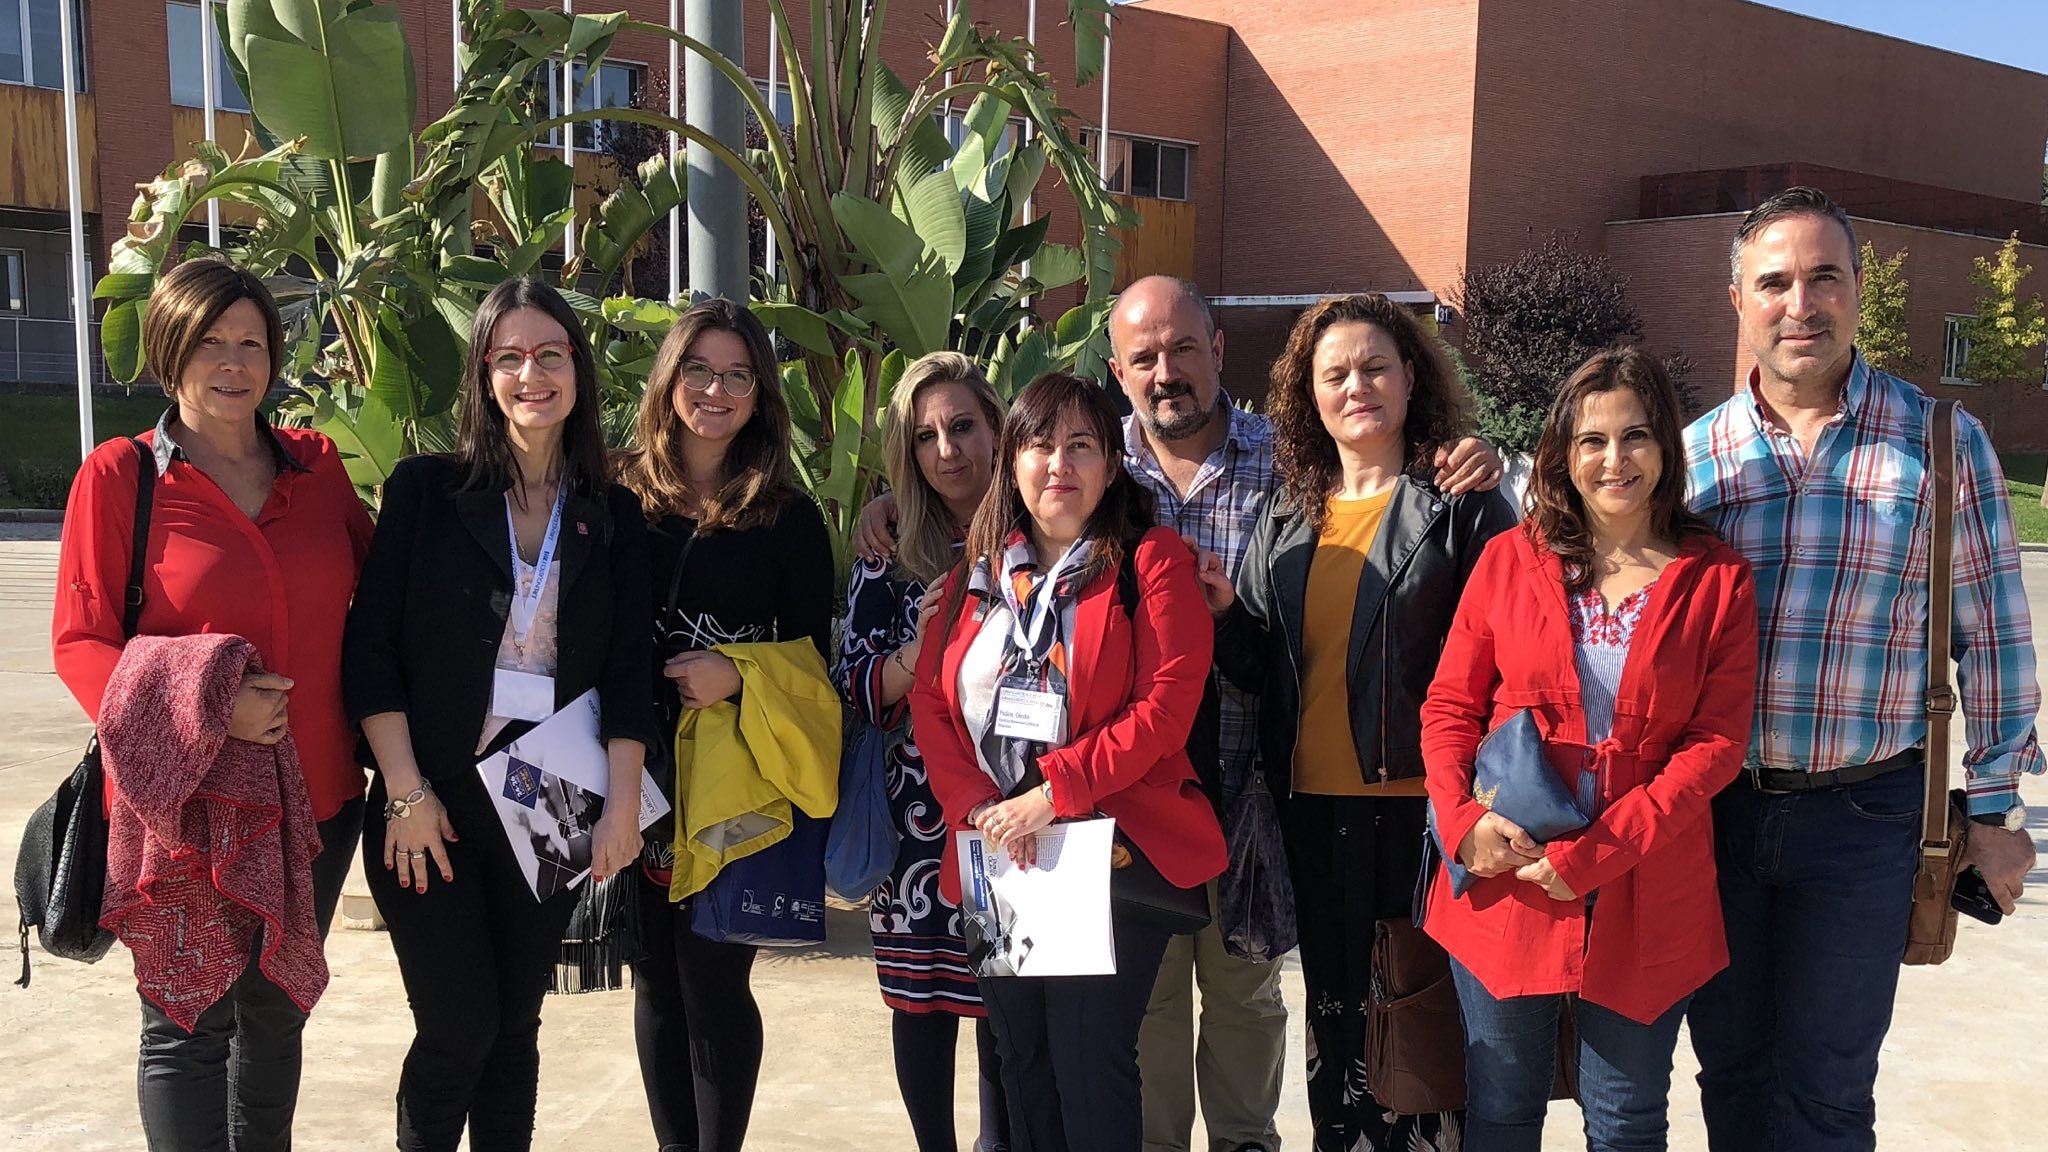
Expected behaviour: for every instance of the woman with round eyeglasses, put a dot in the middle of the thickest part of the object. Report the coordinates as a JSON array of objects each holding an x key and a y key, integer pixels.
[
  {"x": 505, "y": 580},
  {"x": 739, "y": 555}
]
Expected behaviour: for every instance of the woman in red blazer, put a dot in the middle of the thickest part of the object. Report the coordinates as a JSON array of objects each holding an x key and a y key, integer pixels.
[
  {"x": 1037, "y": 597},
  {"x": 1629, "y": 630}
]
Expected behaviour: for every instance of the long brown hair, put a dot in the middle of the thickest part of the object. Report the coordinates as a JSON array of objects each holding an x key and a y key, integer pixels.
[
  {"x": 1304, "y": 455},
  {"x": 482, "y": 442},
  {"x": 758, "y": 475},
  {"x": 1554, "y": 512},
  {"x": 926, "y": 531},
  {"x": 1126, "y": 508}
]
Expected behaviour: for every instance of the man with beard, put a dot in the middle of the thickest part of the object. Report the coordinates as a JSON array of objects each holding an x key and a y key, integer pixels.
[
  {"x": 1818, "y": 471},
  {"x": 1209, "y": 466}
]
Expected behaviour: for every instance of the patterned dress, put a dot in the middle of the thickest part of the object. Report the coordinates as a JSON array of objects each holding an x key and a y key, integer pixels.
[{"x": 920, "y": 958}]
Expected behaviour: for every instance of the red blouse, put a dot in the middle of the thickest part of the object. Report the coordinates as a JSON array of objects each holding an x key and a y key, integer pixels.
[{"x": 281, "y": 581}]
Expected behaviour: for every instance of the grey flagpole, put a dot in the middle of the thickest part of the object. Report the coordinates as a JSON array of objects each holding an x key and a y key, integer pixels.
[{"x": 81, "y": 304}]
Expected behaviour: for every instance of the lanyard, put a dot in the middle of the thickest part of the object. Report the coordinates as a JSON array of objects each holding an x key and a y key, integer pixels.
[{"x": 526, "y": 605}]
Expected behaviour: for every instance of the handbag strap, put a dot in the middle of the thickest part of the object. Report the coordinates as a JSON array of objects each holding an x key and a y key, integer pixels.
[
  {"x": 138, "y": 547},
  {"x": 1941, "y": 693},
  {"x": 675, "y": 579}
]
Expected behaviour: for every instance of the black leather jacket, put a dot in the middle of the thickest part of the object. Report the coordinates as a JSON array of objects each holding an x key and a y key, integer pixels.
[{"x": 1407, "y": 593}]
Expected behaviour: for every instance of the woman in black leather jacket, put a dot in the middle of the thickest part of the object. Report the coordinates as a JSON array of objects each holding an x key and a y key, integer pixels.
[{"x": 1342, "y": 603}]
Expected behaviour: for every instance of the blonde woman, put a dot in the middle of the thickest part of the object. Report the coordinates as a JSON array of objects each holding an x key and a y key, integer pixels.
[{"x": 940, "y": 442}]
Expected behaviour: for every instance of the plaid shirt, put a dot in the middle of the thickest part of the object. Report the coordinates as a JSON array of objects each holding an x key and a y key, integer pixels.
[
  {"x": 1839, "y": 542},
  {"x": 1222, "y": 507}
]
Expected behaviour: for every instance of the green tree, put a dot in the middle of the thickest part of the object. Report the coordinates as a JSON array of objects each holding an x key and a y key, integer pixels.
[
  {"x": 2006, "y": 326},
  {"x": 1881, "y": 334}
]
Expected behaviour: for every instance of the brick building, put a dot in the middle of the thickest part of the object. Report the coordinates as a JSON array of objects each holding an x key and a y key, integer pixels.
[{"x": 1278, "y": 150}]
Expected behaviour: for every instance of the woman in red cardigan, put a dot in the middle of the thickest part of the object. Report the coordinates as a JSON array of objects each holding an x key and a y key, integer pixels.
[
  {"x": 255, "y": 532},
  {"x": 1037, "y": 597},
  {"x": 1629, "y": 630}
]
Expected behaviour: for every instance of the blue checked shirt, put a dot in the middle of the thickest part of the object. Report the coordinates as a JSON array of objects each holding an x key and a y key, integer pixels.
[
  {"x": 1222, "y": 507},
  {"x": 1839, "y": 543}
]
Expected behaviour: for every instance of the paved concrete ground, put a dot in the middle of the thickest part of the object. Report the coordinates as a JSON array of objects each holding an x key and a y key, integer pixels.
[{"x": 1961, "y": 1069}]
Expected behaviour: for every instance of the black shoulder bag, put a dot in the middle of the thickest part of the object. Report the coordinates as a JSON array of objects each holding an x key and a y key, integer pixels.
[{"x": 60, "y": 875}]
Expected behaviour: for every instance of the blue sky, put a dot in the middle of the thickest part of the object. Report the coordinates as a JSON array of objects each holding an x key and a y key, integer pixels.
[{"x": 2009, "y": 31}]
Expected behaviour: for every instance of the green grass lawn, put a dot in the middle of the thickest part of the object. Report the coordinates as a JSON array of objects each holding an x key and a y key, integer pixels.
[
  {"x": 39, "y": 440},
  {"x": 2024, "y": 473}
]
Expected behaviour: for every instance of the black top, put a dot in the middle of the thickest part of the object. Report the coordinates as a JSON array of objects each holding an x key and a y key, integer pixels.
[
  {"x": 430, "y": 607},
  {"x": 756, "y": 585}
]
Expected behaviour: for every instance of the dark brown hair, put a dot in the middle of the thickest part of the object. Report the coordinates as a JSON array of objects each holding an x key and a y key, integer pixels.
[
  {"x": 1555, "y": 513},
  {"x": 188, "y": 302},
  {"x": 1439, "y": 409},
  {"x": 1126, "y": 508},
  {"x": 483, "y": 444},
  {"x": 1796, "y": 201},
  {"x": 758, "y": 476}
]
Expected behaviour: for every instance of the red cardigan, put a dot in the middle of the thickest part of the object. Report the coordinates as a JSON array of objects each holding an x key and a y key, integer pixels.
[
  {"x": 1681, "y": 727},
  {"x": 1134, "y": 688},
  {"x": 281, "y": 581}
]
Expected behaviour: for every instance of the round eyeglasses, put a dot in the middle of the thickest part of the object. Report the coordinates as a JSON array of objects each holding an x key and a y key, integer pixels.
[
  {"x": 738, "y": 382},
  {"x": 550, "y": 357}
]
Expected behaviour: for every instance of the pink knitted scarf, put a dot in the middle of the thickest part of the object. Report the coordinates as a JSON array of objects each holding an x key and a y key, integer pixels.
[{"x": 211, "y": 839}]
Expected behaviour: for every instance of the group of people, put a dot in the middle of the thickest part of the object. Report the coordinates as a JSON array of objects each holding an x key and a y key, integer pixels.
[{"x": 1062, "y": 613}]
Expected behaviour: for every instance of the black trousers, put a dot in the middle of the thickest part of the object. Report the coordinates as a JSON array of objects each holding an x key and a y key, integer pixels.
[
  {"x": 475, "y": 954},
  {"x": 233, "y": 1081},
  {"x": 697, "y": 1028},
  {"x": 1069, "y": 1047},
  {"x": 1353, "y": 861}
]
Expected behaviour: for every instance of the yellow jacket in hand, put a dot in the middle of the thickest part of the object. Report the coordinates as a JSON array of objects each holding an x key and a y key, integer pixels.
[{"x": 740, "y": 767}]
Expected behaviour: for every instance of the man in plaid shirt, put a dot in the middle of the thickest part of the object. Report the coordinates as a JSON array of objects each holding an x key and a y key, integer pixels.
[{"x": 1818, "y": 473}]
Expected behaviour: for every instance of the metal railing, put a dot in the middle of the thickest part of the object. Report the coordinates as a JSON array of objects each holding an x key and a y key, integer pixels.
[{"x": 35, "y": 350}]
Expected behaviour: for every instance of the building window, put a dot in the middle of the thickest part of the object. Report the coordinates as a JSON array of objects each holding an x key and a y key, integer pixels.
[
  {"x": 13, "y": 279},
  {"x": 1955, "y": 350},
  {"x": 616, "y": 86},
  {"x": 1157, "y": 169},
  {"x": 783, "y": 104},
  {"x": 188, "y": 72},
  {"x": 32, "y": 45}
]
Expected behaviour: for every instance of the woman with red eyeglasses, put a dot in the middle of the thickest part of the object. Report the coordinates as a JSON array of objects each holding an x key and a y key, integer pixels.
[{"x": 505, "y": 580}]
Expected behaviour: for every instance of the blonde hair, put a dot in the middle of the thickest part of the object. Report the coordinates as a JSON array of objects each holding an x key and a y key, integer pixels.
[{"x": 927, "y": 529}]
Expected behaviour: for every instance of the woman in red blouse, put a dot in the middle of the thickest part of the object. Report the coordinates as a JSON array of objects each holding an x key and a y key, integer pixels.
[
  {"x": 256, "y": 532},
  {"x": 1628, "y": 629}
]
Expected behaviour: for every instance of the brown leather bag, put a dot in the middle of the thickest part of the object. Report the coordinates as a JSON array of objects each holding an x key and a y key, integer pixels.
[
  {"x": 1414, "y": 1038},
  {"x": 1944, "y": 822}
]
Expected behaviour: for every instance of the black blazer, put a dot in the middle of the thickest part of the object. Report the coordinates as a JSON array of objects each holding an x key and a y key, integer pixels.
[
  {"x": 1407, "y": 593},
  {"x": 430, "y": 609}
]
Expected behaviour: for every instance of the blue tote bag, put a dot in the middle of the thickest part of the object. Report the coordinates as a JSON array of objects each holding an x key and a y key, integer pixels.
[
  {"x": 774, "y": 898},
  {"x": 862, "y": 842}
]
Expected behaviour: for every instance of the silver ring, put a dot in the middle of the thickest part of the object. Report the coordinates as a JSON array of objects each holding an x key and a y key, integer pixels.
[{"x": 417, "y": 853}]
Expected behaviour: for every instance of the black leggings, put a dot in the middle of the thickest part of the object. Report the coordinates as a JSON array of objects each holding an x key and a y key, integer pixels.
[
  {"x": 925, "y": 1043},
  {"x": 697, "y": 1028}
]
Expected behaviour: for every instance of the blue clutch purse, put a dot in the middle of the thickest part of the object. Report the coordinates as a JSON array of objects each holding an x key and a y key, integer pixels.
[{"x": 1511, "y": 776}]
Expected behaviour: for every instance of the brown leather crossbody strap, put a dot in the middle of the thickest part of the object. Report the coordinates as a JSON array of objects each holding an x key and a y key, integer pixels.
[{"x": 1941, "y": 580}]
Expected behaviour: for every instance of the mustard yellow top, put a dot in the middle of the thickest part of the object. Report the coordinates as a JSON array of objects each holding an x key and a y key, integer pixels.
[{"x": 1325, "y": 758}]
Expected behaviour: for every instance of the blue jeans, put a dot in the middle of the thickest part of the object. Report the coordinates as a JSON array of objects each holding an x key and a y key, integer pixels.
[
  {"x": 1816, "y": 888},
  {"x": 1511, "y": 1061}
]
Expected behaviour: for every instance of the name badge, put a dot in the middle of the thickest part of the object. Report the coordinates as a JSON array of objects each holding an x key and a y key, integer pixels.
[
  {"x": 522, "y": 695},
  {"x": 1025, "y": 711}
]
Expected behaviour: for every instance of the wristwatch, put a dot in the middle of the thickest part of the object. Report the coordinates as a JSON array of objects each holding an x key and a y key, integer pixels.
[{"x": 2012, "y": 819}]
